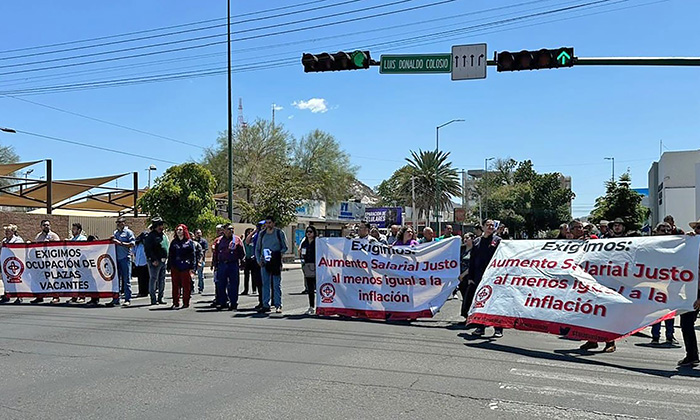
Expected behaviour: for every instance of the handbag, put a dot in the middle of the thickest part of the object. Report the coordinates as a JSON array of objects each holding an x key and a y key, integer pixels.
[{"x": 309, "y": 269}]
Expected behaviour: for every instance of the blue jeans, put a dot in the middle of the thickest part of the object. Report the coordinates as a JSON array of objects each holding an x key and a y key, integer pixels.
[
  {"x": 276, "y": 280},
  {"x": 656, "y": 329},
  {"x": 156, "y": 279},
  {"x": 227, "y": 280},
  {"x": 124, "y": 274},
  {"x": 200, "y": 276}
]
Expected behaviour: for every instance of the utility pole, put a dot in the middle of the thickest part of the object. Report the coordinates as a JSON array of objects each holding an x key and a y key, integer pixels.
[
  {"x": 437, "y": 178},
  {"x": 486, "y": 188},
  {"x": 273, "y": 115},
  {"x": 413, "y": 203},
  {"x": 613, "y": 167},
  {"x": 230, "y": 116}
]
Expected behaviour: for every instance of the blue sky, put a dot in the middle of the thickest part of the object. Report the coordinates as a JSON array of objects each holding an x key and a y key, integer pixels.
[{"x": 564, "y": 120}]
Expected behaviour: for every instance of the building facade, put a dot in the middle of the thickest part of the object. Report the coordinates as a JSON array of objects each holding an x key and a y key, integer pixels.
[{"x": 672, "y": 187}]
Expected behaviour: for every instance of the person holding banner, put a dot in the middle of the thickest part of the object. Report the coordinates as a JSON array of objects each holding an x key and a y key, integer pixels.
[
  {"x": 124, "y": 240},
  {"x": 406, "y": 237},
  {"x": 78, "y": 236},
  {"x": 181, "y": 262},
  {"x": 11, "y": 237},
  {"x": 663, "y": 228},
  {"x": 307, "y": 253},
  {"x": 46, "y": 235},
  {"x": 688, "y": 319},
  {"x": 482, "y": 251}
]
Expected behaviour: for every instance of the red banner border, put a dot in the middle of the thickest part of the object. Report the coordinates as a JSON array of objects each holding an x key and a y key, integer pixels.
[{"x": 374, "y": 314}]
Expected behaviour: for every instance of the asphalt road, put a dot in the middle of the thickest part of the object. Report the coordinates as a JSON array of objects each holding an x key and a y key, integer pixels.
[{"x": 143, "y": 362}]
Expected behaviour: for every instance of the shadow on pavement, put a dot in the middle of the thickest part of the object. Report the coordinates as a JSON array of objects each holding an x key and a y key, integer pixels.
[{"x": 567, "y": 356}]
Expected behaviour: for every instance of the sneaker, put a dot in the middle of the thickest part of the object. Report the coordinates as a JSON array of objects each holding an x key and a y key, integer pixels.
[
  {"x": 81, "y": 300},
  {"x": 258, "y": 307},
  {"x": 672, "y": 342},
  {"x": 37, "y": 300},
  {"x": 162, "y": 302},
  {"x": 4, "y": 299},
  {"x": 609, "y": 348},
  {"x": 311, "y": 311},
  {"x": 175, "y": 306},
  {"x": 478, "y": 332},
  {"x": 264, "y": 310},
  {"x": 589, "y": 345},
  {"x": 498, "y": 334},
  {"x": 655, "y": 341},
  {"x": 278, "y": 309},
  {"x": 689, "y": 362},
  {"x": 185, "y": 306},
  {"x": 126, "y": 304},
  {"x": 17, "y": 301},
  {"x": 232, "y": 307},
  {"x": 56, "y": 300}
]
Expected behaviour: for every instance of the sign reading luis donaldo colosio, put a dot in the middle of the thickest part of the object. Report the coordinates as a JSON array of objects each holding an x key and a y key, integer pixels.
[
  {"x": 60, "y": 269},
  {"x": 358, "y": 278},
  {"x": 598, "y": 290}
]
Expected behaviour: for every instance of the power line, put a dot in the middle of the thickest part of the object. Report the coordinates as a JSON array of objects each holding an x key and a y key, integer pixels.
[
  {"x": 201, "y": 38},
  {"x": 305, "y": 41},
  {"x": 173, "y": 33},
  {"x": 107, "y": 122},
  {"x": 158, "y": 29},
  {"x": 92, "y": 146},
  {"x": 258, "y": 66}
]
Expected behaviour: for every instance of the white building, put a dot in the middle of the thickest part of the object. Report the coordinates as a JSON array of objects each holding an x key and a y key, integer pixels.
[{"x": 672, "y": 182}]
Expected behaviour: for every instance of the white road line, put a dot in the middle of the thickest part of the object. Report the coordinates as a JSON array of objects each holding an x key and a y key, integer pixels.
[
  {"x": 598, "y": 368},
  {"x": 674, "y": 389},
  {"x": 559, "y": 392}
]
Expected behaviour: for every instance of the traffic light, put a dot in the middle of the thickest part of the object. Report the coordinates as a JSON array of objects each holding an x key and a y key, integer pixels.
[
  {"x": 535, "y": 60},
  {"x": 336, "y": 62}
]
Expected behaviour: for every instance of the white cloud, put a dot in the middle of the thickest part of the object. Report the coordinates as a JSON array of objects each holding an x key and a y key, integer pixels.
[
  {"x": 277, "y": 107},
  {"x": 315, "y": 105},
  {"x": 291, "y": 117}
]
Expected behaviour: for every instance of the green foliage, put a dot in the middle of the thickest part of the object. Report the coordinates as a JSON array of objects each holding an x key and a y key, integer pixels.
[
  {"x": 262, "y": 152},
  {"x": 621, "y": 201},
  {"x": 322, "y": 166},
  {"x": 183, "y": 194},
  {"x": 422, "y": 166},
  {"x": 278, "y": 194},
  {"x": 391, "y": 191},
  {"x": 523, "y": 199},
  {"x": 7, "y": 155}
]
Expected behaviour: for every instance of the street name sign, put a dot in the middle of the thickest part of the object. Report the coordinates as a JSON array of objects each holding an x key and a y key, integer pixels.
[
  {"x": 469, "y": 62},
  {"x": 415, "y": 63}
]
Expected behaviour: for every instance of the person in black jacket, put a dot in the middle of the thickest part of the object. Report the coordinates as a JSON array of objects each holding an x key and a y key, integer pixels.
[
  {"x": 181, "y": 263},
  {"x": 156, "y": 248},
  {"x": 481, "y": 254}
]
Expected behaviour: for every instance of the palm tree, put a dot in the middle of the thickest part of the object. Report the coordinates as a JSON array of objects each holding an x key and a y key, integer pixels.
[{"x": 422, "y": 167}]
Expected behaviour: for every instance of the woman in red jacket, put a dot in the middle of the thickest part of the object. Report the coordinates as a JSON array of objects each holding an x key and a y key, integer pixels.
[{"x": 181, "y": 264}]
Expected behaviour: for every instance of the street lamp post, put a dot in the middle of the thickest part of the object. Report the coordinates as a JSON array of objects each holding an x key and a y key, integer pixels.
[
  {"x": 27, "y": 172},
  {"x": 150, "y": 168},
  {"x": 437, "y": 167},
  {"x": 486, "y": 188},
  {"x": 612, "y": 159}
]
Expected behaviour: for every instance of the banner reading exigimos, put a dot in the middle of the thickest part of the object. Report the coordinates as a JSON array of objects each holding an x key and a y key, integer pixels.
[
  {"x": 60, "y": 269},
  {"x": 355, "y": 277},
  {"x": 597, "y": 290}
]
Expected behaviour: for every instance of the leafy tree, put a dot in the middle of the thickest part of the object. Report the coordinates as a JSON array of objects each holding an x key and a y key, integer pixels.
[
  {"x": 7, "y": 155},
  {"x": 391, "y": 191},
  {"x": 314, "y": 165},
  {"x": 278, "y": 194},
  {"x": 183, "y": 194},
  {"x": 323, "y": 166},
  {"x": 620, "y": 201}
]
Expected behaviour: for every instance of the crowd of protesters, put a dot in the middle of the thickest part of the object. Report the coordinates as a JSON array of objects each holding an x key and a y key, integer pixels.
[{"x": 259, "y": 251}]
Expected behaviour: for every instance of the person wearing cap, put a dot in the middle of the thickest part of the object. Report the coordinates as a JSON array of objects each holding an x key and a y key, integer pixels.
[
  {"x": 269, "y": 248},
  {"x": 617, "y": 228},
  {"x": 156, "y": 247},
  {"x": 603, "y": 228},
  {"x": 124, "y": 240},
  {"x": 675, "y": 230},
  {"x": 229, "y": 251}
]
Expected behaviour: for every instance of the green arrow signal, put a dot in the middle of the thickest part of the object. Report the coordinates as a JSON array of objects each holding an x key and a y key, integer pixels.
[{"x": 563, "y": 56}]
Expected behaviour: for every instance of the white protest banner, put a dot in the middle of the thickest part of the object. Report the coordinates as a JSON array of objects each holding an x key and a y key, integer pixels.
[
  {"x": 598, "y": 290},
  {"x": 60, "y": 269},
  {"x": 370, "y": 280}
]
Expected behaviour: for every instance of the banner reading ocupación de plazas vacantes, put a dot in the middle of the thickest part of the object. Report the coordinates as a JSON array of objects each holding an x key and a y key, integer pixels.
[
  {"x": 60, "y": 269},
  {"x": 597, "y": 290},
  {"x": 357, "y": 278}
]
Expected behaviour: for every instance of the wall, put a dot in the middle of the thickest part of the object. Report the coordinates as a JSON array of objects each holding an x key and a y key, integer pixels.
[{"x": 28, "y": 225}]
